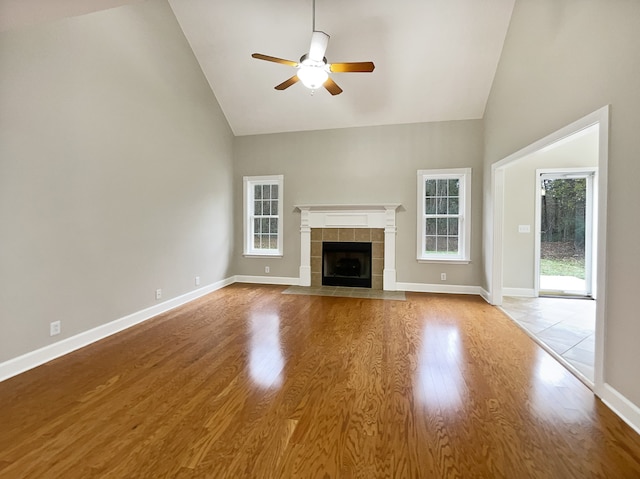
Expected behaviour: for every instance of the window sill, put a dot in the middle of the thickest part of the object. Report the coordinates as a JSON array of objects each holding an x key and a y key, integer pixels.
[
  {"x": 263, "y": 255},
  {"x": 443, "y": 260}
]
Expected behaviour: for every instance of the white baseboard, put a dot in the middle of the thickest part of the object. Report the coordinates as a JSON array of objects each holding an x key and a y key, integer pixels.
[
  {"x": 485, "y": 295},
  {"x": 520, "y": 292},
  {"x": 439, "y": 288},
  {"x": 282, "y": 280},
  {"x": 618, "y": 403},
  {"x": 32, "y": 359}
]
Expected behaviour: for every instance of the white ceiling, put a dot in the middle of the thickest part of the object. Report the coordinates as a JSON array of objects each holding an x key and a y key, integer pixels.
[
  {"x": 21, "y": 13},
  {"x": 435, "y": 59}
]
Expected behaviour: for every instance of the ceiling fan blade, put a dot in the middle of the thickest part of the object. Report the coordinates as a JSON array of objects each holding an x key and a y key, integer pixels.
[
  {"x": 260, "y": 56},
  {"x": 364, "y": 67},
  {"x": 332, "y": 87},
  {"x": 287, "y": 83},
  {"x": 319, "y": 42}
]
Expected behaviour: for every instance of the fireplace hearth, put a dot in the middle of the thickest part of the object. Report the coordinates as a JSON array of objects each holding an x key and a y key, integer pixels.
[{"x": 346, "y": 264}]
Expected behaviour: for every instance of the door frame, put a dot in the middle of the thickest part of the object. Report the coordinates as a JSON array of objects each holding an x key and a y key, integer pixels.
[
  {"x": 591, "y": 221},
  {"x": 496, "y": 224}
]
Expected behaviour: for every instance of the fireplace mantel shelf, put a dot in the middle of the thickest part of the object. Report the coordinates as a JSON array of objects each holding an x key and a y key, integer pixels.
[{"x": 354, "y": 207}]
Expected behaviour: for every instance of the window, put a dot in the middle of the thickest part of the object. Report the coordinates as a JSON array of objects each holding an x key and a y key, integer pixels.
[
  {"x": 444, "y": 215},
  {"x": 263, "y": 215}
]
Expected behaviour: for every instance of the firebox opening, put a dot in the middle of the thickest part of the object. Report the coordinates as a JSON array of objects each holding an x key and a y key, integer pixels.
[{"x": 346, "y": 264}]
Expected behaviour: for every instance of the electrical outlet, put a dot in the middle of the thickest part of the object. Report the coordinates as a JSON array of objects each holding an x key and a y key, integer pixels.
[
  {"x": 197, "y": 280},
  {"x": 54, "y": 328},
  {"x": 443, "y": 276},
  {"x": 158, "y": 293},
  {"x": 266, "y": 269}
]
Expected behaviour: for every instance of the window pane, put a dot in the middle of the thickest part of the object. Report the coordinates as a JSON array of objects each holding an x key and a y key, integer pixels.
[
  {"x": 273, "y": 225},
  {"x": 442, "y": 226},
  {"x": 453, "y": 206},
  {"x": 256, "y": 225},
  {"x": 441, "y": 207},
  {"x": 274, "y": 207},
  {"x": 430, "y": 206},
  {"x": 442, "y": 187},
  {"x": 266, "y": 192},
  {"x": 441, "y": 244},
  {"x": 266, "y": 207},
  {"x": 256, "y": 241},
  {"x": 274, "y": 191},
  {"x": 430, "y": 243},
  {"x": 453, "y": 226},
  {"x": 453, "y": 244},
  {"x": 430, "y": 225},
  {"x": 264, "y": 227},
  {"x": 454, "y": 187},
  {"x": 257, "y": 207},
  {"x": 257, "y": 192},
  {"x": 430, "y": 188},
  {"x": 273, "y": 242}
]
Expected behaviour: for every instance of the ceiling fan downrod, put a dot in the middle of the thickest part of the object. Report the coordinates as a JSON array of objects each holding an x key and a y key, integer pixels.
[{"x": 313, "y": 16}]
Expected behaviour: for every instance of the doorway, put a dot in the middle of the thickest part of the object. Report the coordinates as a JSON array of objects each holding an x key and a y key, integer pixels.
[
  {"x": 599, "y": 120},
  {"x": 565, "y": 219}
]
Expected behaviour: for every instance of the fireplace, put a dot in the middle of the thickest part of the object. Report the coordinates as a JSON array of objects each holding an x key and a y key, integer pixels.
[
  {"x": 346, "y": 264},
  {"x": 374, "y": 223}
]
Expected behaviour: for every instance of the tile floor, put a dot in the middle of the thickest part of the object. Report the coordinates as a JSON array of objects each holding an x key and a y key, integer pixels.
[
  {"x": 565, "y": 325},
  {"x": 346, "y": 292}
]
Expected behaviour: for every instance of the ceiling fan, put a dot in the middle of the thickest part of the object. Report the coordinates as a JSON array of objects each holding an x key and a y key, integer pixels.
[{"x": 313, "y": 69}]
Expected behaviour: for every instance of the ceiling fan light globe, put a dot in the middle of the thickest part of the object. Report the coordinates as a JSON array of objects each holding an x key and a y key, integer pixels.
[{"x": 312, "y": 76}]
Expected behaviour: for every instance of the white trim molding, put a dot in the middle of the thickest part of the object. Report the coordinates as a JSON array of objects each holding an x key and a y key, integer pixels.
[
  {"x": 350, "y": 216},
  {"x": 485, "y": 294},
  {"x": 441, "y": 288},
  {"x": 623, "y": 407},
  {"x": 32, "y": 359}
]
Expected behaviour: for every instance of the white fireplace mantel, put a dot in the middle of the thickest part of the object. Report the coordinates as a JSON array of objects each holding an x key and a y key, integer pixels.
[{"x": 350, "y": 216}]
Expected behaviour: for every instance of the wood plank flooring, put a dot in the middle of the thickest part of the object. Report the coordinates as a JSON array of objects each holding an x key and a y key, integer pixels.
[{"x": 250, "y": 383}]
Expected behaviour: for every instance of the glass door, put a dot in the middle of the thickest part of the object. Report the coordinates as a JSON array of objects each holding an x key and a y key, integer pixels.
[{"x": 566, "y": 234}]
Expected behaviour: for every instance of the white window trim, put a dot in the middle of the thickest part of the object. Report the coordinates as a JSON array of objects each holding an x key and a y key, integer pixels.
[
  {"x": 248, "y": 184},
  {"x": 464, "y": 242}
]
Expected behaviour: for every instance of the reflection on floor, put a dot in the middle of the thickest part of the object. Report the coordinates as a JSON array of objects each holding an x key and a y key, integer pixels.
[
  {"x": 346, "y": 292},
  {"x": 565, "y": 326}
]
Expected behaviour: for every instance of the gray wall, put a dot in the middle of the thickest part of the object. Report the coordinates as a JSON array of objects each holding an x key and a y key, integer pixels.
[
  {"x": 362, "y": 165},
  {"x": 115, "y": 173},
  {"x": 563, "y": 59},
  {"x": 520, "y": 201}
]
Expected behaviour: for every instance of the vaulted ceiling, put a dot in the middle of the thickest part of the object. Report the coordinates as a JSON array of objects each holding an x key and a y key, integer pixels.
[{"x": 435, "y": 59}]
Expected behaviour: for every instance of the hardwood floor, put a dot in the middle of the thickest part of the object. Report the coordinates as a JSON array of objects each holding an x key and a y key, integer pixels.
[{"x": 250, "y": 383}]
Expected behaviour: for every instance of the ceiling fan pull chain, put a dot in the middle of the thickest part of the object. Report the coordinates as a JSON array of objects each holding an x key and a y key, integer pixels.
[{"x": 313, "y": 17}]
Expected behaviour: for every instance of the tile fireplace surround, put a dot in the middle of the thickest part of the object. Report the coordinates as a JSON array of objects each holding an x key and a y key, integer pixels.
[
  {"x": 375, "y": 223},
  {"x": 375, "y": 236}
]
